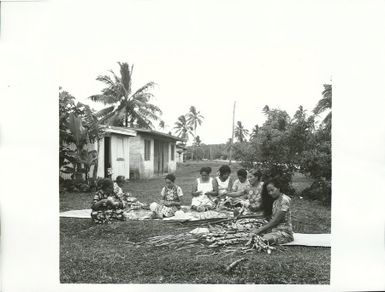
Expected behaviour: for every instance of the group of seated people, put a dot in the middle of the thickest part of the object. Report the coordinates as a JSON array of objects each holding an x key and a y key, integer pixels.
[
  {"x": 110, "y": 201},
  {"x": 222, "y": 192}
]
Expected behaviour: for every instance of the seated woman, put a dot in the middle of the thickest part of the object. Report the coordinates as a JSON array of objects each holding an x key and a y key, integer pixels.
[
  {"x": 129, "y": 202},
  {"x": 223, "y": 182},
  {"x": 279, "y": 229},
  {"x": 237, "y": 198},
  {"x": 254, "y": 194},
  {"x": 106, "y": 205},
  {"x": 118, "y": 184},
  {"x": 203, "y": 192},
  {"x": 170, "y": 202}
]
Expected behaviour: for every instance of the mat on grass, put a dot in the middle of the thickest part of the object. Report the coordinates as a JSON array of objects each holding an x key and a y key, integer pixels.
[
  {"x": 86, "y": 214},
  {"x": 140, "y": 214},
  {"x": 323, "y": 240}
]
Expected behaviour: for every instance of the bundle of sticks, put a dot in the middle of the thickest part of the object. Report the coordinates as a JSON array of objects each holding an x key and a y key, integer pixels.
[{"x": 235, "y": 232}]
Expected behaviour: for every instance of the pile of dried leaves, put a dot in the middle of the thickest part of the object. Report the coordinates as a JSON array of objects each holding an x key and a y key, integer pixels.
[{"x": 233, "y": 235}]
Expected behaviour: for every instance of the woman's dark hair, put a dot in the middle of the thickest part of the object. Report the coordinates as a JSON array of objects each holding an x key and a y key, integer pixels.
[
  {"x": 224, "y": 169},
  {"x": 120, "y": 178},
  {"x": 206, "y": 169},
  {"x": 267, "y": 200},
  {"x": 275, "y": 182},
  {"x": 170, "y": 177},
  {"x": 257, "y": 173},
  {"x": 105, "y": 183},
  {"x": 242, "y": 172}
]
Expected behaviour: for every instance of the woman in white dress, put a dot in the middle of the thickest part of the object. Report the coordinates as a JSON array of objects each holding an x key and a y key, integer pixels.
[
  {"x": 223, "y": 183},
  {"x": 203, "y": 192}
]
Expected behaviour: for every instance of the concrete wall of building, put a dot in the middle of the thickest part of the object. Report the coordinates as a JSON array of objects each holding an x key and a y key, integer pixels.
[
  {"x": 172, "y": 163},
  {"x": 142, "y": 169},
  {"x": 139, "y": 167}
]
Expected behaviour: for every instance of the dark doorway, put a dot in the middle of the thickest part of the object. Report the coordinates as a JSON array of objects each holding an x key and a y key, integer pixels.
[
  {"x": 107, "y": 155},
  {"x": 160, "y": 157}
]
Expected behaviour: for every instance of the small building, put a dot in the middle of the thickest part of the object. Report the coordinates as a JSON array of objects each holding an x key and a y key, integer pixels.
[
  {"x": 152, "y": 153},
  {"x": 133, "y": 153},
  {"x": 114, "y": 153}
]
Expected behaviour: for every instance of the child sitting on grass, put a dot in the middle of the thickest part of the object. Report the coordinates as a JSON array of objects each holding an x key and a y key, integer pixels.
[
  {"x": 106, "y": 204},
  {"x": 170, "y": 202}
]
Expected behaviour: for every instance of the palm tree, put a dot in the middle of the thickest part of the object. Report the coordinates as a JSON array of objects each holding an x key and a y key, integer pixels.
[
  {"x": 254, "y": 132},
  {"x": 125, "y": 107},
  {"x": 194, "y": 118},
  {"x": 197, "y": 141},
  {"x": 162, "y": 125},
  {"x": 241, "y": 132},
  {"x": 266, "y": 109},
  {"x": 182, "y": 128},
  {"x": 324, "y": 104}
]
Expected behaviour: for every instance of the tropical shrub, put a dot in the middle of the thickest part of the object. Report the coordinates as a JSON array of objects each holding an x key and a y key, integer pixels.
[{"x": 320, "y": 190}]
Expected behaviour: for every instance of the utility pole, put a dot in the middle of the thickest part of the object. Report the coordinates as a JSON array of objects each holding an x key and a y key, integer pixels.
[{"x": 232, "y": 135}]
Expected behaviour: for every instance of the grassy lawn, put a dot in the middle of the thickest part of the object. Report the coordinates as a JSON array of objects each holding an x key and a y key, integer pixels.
[{"x": 102, "y": 254}]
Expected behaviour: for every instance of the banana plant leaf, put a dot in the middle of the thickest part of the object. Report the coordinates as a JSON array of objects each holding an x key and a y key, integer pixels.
[
  {"x": 68, "y": 169},
  {"x": 77, "y": 130}
]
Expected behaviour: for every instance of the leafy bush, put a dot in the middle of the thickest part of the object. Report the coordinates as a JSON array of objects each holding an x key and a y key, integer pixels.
[
  {"x": 320, "y": 190},
  {"x": 246, "y": 153},
  {"x": 282, "y": 172},
  {"x": 79, "y": 185}
]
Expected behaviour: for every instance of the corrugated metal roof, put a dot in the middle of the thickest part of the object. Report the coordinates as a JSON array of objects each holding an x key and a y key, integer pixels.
[
  {"x": 156, "y": 133},
  {"x": 120, "y": 130},
  {"x": 133, "y": 132}
]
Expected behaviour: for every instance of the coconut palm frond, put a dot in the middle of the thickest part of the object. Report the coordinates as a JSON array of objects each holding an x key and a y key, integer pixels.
[
  {"x": 142, "y": 121},
  {"x": 117, "y": 80},
  {"x": 107, "y": 118},
  {"x": 327, "y": 90},
  {"x": 143, "y": 97},
  {"x": 116, "y": 91},
  {"x": 103, "y": 112},
  {"x": 142, "y": 104},
  {"x": 144, "y": 88},
  {"x": 147, "y": 114},
  {"x": 322, "y": 105},
  {"x": 326, "y": 102},
  {"x": 106, "y": 99},
  {"x": 153, "y": 108},
  {"x": 106, "y": 80}
]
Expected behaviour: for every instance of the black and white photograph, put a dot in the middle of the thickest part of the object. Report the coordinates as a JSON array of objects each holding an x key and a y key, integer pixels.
[
  {"x": 182, "y": 143},
  {"x": 201, "y": 159}
]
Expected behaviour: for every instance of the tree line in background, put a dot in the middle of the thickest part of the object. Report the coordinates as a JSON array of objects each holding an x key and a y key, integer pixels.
[
  {"x": 281, "y": 146},
  {"x": 284, "y": 145}
]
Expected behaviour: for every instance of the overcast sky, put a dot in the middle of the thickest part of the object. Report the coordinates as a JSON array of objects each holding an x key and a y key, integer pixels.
[{"x": 202, "y": 53}]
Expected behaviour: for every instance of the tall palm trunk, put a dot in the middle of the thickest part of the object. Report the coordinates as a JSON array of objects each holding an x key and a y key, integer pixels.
[{"x": 126, "y": 120}]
